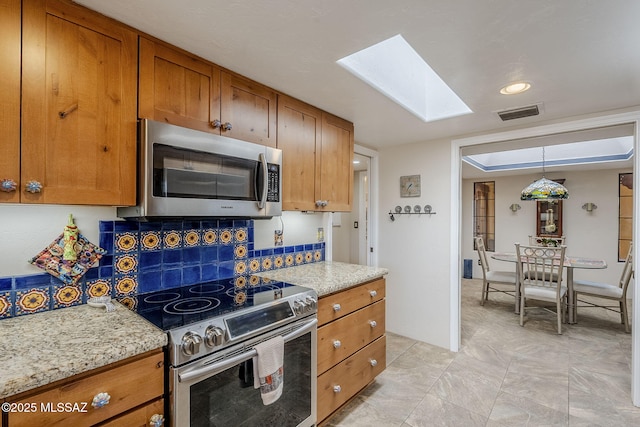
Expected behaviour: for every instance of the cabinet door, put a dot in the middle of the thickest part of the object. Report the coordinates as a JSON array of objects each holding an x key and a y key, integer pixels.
[
  {"x": 177, "y": 88},
  {"x": 299, "y": 132},
  {"x": 335, "y": 174},
  {"x": 10, "y": 99},
  {"x": 249, "y": 108},
  {"x": 79, "y": 72}
]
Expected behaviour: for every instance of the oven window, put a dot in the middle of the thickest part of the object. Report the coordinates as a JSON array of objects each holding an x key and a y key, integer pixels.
[{"x": 229, "y": 399}]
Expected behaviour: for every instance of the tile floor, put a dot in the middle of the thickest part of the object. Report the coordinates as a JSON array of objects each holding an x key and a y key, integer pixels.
[{"x": 504, "y": 374}]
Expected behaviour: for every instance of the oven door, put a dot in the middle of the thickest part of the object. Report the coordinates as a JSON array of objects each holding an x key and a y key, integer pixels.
[{"x": 218, "y": 390}]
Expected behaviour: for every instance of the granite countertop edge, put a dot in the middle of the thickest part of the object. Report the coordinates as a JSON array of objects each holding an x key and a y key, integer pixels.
[
  {"x": 42, "y": 348},
  {"x": 326, "y": 277}
]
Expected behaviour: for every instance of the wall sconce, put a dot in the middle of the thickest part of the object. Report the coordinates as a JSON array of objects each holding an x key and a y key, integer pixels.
[
  {"x": 589, "y": 207},
  {"x": 514, "y": 207}
]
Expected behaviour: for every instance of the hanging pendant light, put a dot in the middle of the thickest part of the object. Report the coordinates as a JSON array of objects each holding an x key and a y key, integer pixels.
[{"x": 544, "y": 189}]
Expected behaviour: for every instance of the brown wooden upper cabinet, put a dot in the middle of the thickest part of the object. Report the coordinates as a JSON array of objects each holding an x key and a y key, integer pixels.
[
  {"x": 10, "y": 100},
  {"x": 179, "y": 88},
  {"x": 79, "y": 73},
  {"x": 317, "y": 158}
]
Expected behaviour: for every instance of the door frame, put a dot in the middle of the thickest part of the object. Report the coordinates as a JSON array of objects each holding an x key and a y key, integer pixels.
[{"x": 372, "y": 232}]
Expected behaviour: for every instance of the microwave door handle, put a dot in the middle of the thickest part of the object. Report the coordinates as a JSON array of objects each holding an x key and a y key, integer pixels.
[
  {"x": 262, "y": 176},
  {"x": 205, "y": 371}
]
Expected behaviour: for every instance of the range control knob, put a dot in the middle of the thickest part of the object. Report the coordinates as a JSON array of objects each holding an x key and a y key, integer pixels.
[
  {"x": 311, "y": 302},
  {"x": 213, "y": 336},
  {"x": 191, "y": 343},
  {"x": 300, "y": 307}
]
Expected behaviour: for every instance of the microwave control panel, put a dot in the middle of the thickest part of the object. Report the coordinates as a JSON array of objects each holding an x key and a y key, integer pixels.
[{"x": 273, "y": 182}]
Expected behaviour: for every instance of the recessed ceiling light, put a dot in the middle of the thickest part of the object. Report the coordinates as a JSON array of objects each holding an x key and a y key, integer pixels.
[
  {"x": 515, "y": 88},
  {"x": 395, "y": 69},
  {"x": 356, "y": 162}
]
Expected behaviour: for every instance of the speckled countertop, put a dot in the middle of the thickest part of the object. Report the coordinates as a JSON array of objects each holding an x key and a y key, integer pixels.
[
  {"x": 326, "y": 277},
  {"x": 38, "y": 349}
]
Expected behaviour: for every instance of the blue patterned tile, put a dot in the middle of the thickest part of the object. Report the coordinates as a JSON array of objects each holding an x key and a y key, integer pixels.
[
  {"x": 171, "y": 278},
  {"x": 66, "y": 296},
  {"x": 149, "y": 281},
  {"x": 33, "y": 281},
  {"x": 125, "y": 285},
  {"x": 209, "y": 272},
  {"x": 97, "y": 288},
  {"x": 150, "y": 260},
  {"x": 124, "y": 226},
  {"x": 6, "y": 305},
  {"x": 34, "y": 300},
  {"x": 126, "y": 264},
  {"x": 105, "y": 226},
  {"x": 191, "y": 275},
  {"x": 171, "y": 258},
  {"x": 150, "y": 240},
  {"x": 191, "y": 256},
  {"x": 6, "y": 283},
  {"x": 126, "y": 242}
]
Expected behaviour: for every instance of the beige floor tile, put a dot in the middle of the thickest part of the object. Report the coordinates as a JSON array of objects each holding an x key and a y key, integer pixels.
[{"x": 504, "y": 374}]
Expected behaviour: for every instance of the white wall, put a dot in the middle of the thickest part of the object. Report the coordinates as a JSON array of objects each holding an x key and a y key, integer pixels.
[
  {"x": 27, "y": 229},
  {"x": 592, "y": 234},
  {"x": 414, "y": 248}
]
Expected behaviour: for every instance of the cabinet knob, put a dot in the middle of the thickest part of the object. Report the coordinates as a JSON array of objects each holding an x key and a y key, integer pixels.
[
  {"x": 337, "y": 307},
  {"x": 8, "y": 185},
  {"x": 33, "y": 187},
  {"x": 373, "y": 323},
  {"x": 337, "y": 389},
  {"x": 337, "y": 344},
  {"x": 227, "y": 126},
  {"x": 156, "y": 420},
  {"x": 100, "y": 400},
  {"x": 216, "y": 124},
  {"x": 373, "y": 362},
  {"x": 373, "y": 293}
]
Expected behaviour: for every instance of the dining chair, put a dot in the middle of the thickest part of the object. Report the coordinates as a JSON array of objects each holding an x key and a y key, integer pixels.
[
  {"x": 607, "y": 291},
  {"x": 492, "y": 277},
  {"x": 541, "y": 278}
]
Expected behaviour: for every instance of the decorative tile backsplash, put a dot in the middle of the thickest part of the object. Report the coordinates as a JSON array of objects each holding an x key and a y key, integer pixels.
[{"x": 147, "y": 256}]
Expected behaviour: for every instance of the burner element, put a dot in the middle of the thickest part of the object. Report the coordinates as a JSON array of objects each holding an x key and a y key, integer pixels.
[
  {"x": 192, "y": 305},
  {"x": 206, "y": 288},
  {"x": 161, "y": 297}
]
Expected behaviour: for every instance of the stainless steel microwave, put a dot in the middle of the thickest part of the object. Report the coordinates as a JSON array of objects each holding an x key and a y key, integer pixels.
[{"x": 184, "y": 173}]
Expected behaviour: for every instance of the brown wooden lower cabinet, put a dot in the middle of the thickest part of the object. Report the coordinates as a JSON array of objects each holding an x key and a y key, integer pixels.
[
  {"x": 135, "y": 387},
  {"x": 351, "y": 344},
  {"x": 345, "y": 380}
]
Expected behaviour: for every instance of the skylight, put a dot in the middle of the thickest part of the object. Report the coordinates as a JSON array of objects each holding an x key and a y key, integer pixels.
[
  {"x": 586, "y": 152},
  {"x": 395, "y": 69}
]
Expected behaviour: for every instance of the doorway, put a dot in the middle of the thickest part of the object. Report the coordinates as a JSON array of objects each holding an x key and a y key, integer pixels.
[{"x": 456, "y": 202}]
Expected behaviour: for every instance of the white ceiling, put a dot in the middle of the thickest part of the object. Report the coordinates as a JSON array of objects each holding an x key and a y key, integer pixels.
[{"x": 581, "y": 56}]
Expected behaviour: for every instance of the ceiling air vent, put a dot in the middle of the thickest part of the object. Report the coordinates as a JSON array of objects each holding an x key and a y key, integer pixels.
[{"x": 518, "y": 113}]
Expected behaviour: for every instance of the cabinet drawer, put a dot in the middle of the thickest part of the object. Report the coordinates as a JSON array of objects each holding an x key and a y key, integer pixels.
[
  {"x": 338, "y": 385},
  {"x": 345, "y": 336},
  {"x": 139, "y": 417},
  {"x": 337, "y": 305},
  {"x": 129, "y": 385}
]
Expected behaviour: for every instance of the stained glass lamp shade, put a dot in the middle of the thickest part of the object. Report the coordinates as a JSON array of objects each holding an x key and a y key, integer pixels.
[{"x": 544, "y": 189}]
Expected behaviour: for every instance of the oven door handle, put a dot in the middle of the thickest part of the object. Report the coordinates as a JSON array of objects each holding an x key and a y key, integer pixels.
[{"x": 205, "y": 371}]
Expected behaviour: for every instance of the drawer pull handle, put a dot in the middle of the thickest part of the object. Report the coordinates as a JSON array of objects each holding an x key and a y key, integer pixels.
[
  {"x": 337, "y": 389},
  {"x": 337, "y": 344},
  {"x": 373, "y": 362},
  {"x": 156, "y": 420},
  {"x": 8, "y": 185},
  {"x": 373, "y": 323},
  {"x": 373, "y": 294},
  {"x": 100, "y": 400},
  {"x": 337, "y": 307}
]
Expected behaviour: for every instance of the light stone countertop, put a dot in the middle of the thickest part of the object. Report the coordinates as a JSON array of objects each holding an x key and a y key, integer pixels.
[
  {"x": 38, "y": 349},
  {"x": 326, "y": 277}
]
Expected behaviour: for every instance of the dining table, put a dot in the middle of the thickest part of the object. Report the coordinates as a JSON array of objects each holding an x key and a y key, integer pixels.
[{"x": 570, "y": 263}]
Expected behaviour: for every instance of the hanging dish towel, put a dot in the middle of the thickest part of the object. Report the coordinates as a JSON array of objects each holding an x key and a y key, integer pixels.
[{"x": 269, "y": 370}]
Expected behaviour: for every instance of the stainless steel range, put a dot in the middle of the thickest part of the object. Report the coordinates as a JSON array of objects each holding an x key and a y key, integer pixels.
[{"x": 213, "y": 328}]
